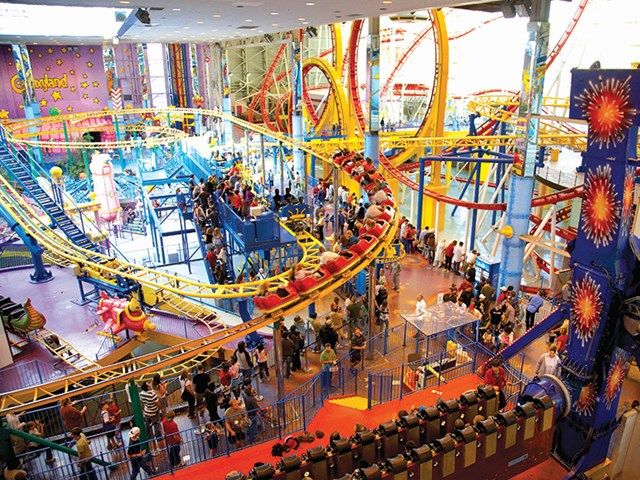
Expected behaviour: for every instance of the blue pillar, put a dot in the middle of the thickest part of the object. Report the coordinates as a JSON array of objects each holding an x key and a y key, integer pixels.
[
  {"x": 371, "y": 138},
  {"x": 372, "y": 147},
  {"x": 227, "y": 130},
  {"x": 420, "y": 194},
  {"x": 22, "y": 61},
  {"x": 297, "y": 123},
  {"x": 474, "y": 212},
  {"x": 243, "y": 308},
  {"x": 312, "y": 308},
  {"x": 522, "y": 179}
]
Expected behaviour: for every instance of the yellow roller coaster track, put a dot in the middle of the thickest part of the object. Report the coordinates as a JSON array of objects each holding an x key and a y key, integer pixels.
[{"x": 84, "y": 382}]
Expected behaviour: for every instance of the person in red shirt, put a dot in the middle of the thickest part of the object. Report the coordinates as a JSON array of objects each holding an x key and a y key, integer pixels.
[
  {"x": 172, "y": 438},
  {"x": 212, "y": 258},
  {"x": 225, "y": 375},
  {"x": 496, "y": 376},
  {"x": 448, "y": 254},
  {"x": 561, "y": 341}
]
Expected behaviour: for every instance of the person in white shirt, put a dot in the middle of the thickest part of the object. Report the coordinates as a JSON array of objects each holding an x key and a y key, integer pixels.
[
  {"x": 421, "y": 305},
  {"x": 549, "y": 363},
  {"x": 458, "y": 255},
  {"x": 471, "y": 258},
  {"x": 403, "y": 229}
]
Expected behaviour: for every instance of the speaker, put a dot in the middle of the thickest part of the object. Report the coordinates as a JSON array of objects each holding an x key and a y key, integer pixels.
[{"x": 143, "y": 16}]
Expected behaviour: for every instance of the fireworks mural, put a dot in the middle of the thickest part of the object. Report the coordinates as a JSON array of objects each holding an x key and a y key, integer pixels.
[
  {"x": 617, "y": 372},
  {"x": 606, "y": 106},
  {"x": 627, "y": 198},
  {"x": 585, "y": 404},
  {"x": 586, "y": 307},
  {"x": 600, "y": 207}
]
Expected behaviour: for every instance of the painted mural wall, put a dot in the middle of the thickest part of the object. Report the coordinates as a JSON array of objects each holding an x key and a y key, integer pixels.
[{"x": 70, "y": 79}]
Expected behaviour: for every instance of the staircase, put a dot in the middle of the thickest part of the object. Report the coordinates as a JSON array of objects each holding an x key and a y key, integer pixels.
[
  {"x": 18, "y": 168},
  {"x": 135, "y": 226}
]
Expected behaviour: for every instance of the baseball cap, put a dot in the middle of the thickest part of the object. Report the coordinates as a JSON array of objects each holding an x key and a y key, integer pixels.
[{"x": 135, "y": 431}]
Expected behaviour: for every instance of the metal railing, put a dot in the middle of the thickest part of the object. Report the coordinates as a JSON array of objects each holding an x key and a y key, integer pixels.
[{"x": 28, "y": 374}]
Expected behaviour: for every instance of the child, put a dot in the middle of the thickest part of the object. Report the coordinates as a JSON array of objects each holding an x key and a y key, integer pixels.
[
  {"x": 211, "y": 436},
  {"x": 116, "y": 413},
  {"x": 108, "y": 426}
]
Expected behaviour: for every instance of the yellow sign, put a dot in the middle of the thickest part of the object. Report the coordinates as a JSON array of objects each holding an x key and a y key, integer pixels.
[{"x": 44, "y": 83}]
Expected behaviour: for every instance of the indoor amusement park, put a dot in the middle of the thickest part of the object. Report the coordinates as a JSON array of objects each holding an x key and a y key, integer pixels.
[{"x": 297, "y": 240}]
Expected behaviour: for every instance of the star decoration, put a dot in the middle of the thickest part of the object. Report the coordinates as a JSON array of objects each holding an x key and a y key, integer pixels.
[
  {"x": 72, "y": 72},
  {"x": 69, "y": 108},
  {"x": 121, "y": 69},
  {"x": 56, "y": 95},
  {"x": 59, "y": 62},
  {"x": 4, "y": 114},
  {"x": 96, "y": 100},
  {"x": 63, "y": 49},
  {"x": 84, "y": 85},
  {"x": 95, "y": 84},
  {"x": 72, "y": 88},
  {"x": 92, "y": 50},
  {"x": 90, "y": 64},
  {"x": 39, "y": 54},
  {"x": 85, "y": 76},
  {"x": 48, "y": 69},
  {"x": 77, "y": 55},
  {"x": 21, "y": 106},
  {"x": 85, "y": 96},
  {"x": 31, "y": 50},
  {"x": 43, "y": 103},
  {"x": 10, "y": 63},
  {"x": 50, "y": 50}
]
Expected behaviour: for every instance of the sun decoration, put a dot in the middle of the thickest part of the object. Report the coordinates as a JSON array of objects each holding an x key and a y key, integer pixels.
[
  {"x": 607, "y": 108},
  {"x": 600, "y": 207},
  {"x": 627, "y": 196},
  {"x": 585, "y": 404},
  {"x": 586, "y": 307},
  {"x": 617, "y": 372}
]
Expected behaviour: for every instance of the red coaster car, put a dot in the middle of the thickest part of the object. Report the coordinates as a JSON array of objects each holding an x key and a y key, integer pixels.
[
  {"x": 387, "y": 215},
  {"x": 310, "y": 281},
  {"x": 341, "y": 262},
  {"x": 274, "y": 299},
  {"x": 363, "y": 244},
  {"x": 376, "y": 231}
]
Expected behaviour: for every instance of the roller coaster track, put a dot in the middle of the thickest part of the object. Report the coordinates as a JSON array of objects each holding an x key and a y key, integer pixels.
[{"x": 85, "y": 382}]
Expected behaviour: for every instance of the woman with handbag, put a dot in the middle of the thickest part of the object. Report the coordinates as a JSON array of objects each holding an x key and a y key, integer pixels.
[
  {"x": 188, "y": 393},
  {"x": 172, "y": 438}
]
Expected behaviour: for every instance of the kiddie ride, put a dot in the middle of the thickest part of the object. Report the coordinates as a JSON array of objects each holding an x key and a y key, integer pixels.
[
  {"x": 604, "y": 312},
  {"x": 120, "y": 314}
]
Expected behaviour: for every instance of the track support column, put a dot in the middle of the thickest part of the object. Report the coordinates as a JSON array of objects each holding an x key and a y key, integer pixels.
[
  {"x": 371, "y": 138},
  {"x": 297, "y": 121},
  {"x": 522, "y": 181},
  {"x": 277, "y": 354},
  {"x": 25, "y": 75}
]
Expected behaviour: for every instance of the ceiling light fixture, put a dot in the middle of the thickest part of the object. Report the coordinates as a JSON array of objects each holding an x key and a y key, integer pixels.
[
  {"x": 309, "y": 4},
  {"x": 217, "y": 15},
  {"x": 124, "y": 2},
  {"x": 175, "y": 9},
  {"x": 387, "y": 2},
  {"x": 274, "y": 24},
  {"x": 302, "y": 19},
  {"x": 200, "y": 22},
  {"x": 249, "y": 20},
  {"x": 274, "y": 13},
  {"x": 305, "y": 23}
]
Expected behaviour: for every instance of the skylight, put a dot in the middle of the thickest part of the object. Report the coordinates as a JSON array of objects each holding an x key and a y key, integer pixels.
[{"x": 53, "y": 21}]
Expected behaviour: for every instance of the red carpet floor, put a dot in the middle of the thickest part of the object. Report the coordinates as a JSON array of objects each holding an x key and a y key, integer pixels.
[{"x": 329, "y": 419}]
